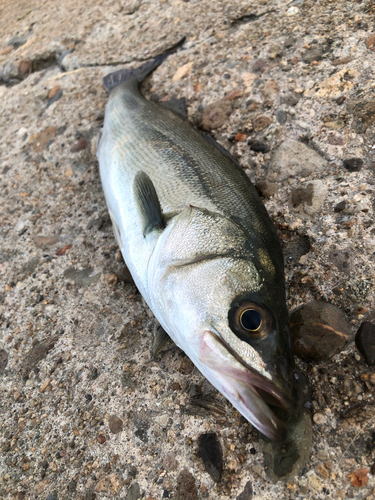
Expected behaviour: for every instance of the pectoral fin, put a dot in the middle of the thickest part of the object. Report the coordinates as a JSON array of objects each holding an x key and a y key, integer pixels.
[{"x": 147, "y": 203}]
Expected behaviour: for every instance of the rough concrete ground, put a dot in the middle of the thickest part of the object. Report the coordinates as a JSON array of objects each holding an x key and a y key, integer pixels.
[{"x": 76, "y": 339}]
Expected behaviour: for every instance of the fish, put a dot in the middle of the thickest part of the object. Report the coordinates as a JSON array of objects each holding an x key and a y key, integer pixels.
[{"x": 201, "y": 248}]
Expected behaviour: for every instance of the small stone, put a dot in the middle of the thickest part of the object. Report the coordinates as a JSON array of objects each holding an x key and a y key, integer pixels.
[
  {"x": 340, "y": 206},
  {"x": 25, "y": 67},
  {"x": 247, "y": 492},
  {"x": 45, "y": 241},
  {"x": 261, "y": 122},
  {"x": 342, "y": 60},
  {"x": 322, "y": 470},
  {"x": 17, "y": 41},
  {"x": 110, "y": 484},
  {"x": 290, "y": 99},
  {"x": 63, "y": 250},
  {"x": 43, "y": 139},
  {"x": 134, "y": 492},
  {"x": 240, "y": 137},
  {"x": 6, "y": 51},
  {"x": 335, "y": 140},
  {"x": 370, "y": 42},
  {"x": 101, "y": 439},
  {"x": 186, "y": 366},
  {"x": 309, "y": 197},
  {"x": 45, "y": 385},
  {"x": 54, "y": 90},
  {"x": 16, "y": 396},
  {"x": 212, "y": 455},
  {"x": 258, "y": 146},
  {"x": 359, "y": 478},
  {"x": 80, "y": 145},
  {"x": 82, "y": 277},
  {"x": 52, "y": 496},
  {"x": 363, "y": 115},
  {"x": 260, "y": 65},
  {"x": 318, "y": 331},
  {"x": 115, "y": 424},
  {"x": 170, "y": 463},
  {"x": 353, "y": 164},
  {"x": 342, "y": 259},
  {"x": 215, "y": 115},
  {"x": 295, "y": 159},
  {"x": 38, "y": 352},
  {"x": 365, "y": 342},
  {"x": 186, "y": 488},
  {"x": 313, "y": 55},
  {"x": 270, "y": 89},
  {"x": 110, "y": 279},
  {"x": 3, "y": 360},
  {"x": 182, "y": 72},
  {"x": 266, "y": 189},
  {"x": 234, "y": 94},
  {"x": 282, "y": 116}
]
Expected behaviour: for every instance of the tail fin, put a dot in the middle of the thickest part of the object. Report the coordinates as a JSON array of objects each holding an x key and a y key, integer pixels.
[{"x": 114, "y": 79}]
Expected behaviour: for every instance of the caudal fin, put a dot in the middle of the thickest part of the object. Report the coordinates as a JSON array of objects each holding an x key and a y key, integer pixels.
[{"x": 114, "y": 79}]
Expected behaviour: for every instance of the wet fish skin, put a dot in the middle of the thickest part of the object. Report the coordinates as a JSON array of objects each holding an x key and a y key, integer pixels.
[{"x": 199, "y": 244}]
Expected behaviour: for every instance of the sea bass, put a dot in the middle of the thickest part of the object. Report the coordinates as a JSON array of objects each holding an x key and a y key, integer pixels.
[{"x": 201, "y": 248}]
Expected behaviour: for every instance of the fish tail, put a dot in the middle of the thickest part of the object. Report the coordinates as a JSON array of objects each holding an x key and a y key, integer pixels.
[{"x": 114, "y": 79}]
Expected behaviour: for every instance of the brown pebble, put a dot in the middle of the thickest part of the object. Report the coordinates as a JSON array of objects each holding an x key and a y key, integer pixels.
[
  {"x": 101, "y": 439},
  {"x": 359, "y": 477},
  {"x": 266, "y": 188},
  {"x": 215, "y": 115},
  {"x": 240, "y": 137},
  {"x": 79, "y": 146},
  {"x": 115, "y": 424},
  {"x": 318, "y": 330},
  {"x": 54, "y": 90},
  {"x": 6, "y": 51},
  {"x": 186, "y": 488},
  {"x": 63, "y": 250},
  {"x": 110, "y": 279},
  {"x": 234, "y": 94},
  {"x": 261, "y": 123},
  {"x": 370, "y": 42},
  {"x": 25, "y": 67},
  {"x": 43, "y": 138}
]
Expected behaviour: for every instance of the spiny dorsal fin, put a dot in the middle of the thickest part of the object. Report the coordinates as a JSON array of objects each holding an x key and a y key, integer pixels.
[{"x": 148, "y": 203}]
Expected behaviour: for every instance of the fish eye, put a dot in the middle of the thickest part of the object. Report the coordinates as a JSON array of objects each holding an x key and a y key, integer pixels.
[{"x": 249, "y": 320}]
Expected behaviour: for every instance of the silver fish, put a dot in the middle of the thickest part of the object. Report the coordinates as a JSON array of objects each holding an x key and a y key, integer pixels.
[{"x": 201, "y": 248}]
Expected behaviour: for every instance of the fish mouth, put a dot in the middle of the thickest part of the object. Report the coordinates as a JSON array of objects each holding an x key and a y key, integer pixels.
[{"x": 250, "y": 392}]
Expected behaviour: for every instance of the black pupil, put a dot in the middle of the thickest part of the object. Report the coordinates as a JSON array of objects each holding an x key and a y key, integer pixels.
[{"x": 251, "y": 319}]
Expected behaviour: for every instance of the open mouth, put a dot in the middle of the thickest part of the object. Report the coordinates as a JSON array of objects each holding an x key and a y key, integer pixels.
[{"x": 249, "y": 391}]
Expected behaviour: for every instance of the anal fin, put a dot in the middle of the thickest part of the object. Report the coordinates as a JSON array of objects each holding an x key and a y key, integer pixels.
[
  {"x": 147, "y": 203},
  {"x": 161, "y": 337}
]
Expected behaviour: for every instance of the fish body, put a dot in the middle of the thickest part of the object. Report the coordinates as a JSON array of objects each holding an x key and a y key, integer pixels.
[{"x": 202, "y": 251}]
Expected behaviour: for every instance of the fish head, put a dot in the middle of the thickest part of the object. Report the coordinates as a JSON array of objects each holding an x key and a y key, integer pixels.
[{"x": 227, "y": 311}]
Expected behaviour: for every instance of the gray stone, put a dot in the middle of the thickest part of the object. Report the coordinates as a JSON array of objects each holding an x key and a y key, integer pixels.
[
  {"x": 82, "y": 277},
  {"x": 3, "y": 360},
  {"x": 295, "y": 159},
  {"x": 309, "y": 197},
  {"x": 134, "y": 492}
]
